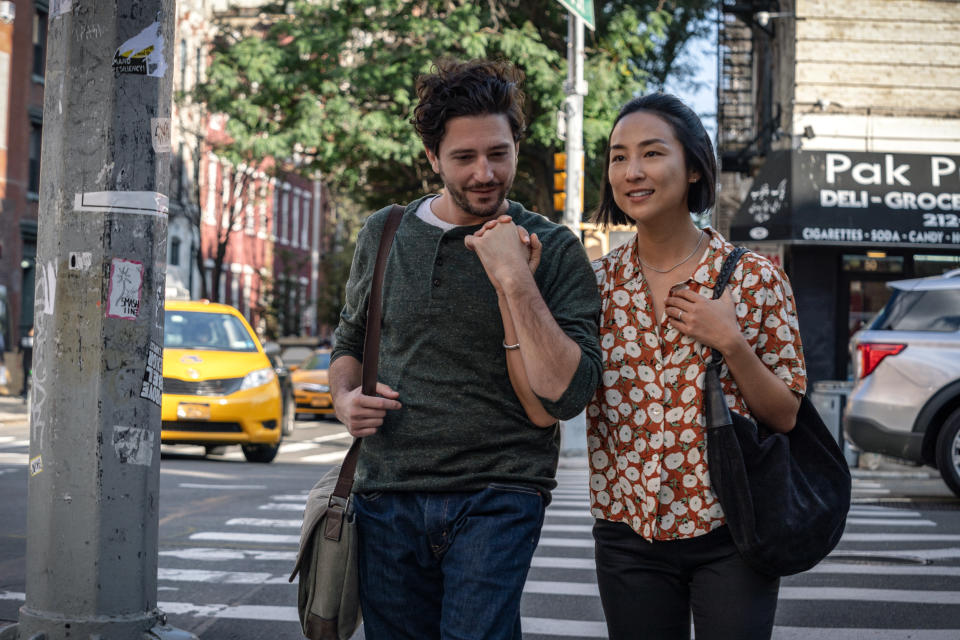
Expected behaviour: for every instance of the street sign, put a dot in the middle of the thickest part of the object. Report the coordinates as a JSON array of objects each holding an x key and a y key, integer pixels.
[{"x": 583, "y": 9}]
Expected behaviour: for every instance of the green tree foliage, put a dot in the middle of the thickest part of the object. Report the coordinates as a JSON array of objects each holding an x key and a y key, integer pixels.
[{"x": 329, "y": 86}]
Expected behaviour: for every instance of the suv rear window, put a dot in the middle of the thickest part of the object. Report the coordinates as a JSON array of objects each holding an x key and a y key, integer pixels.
[{"x": 929, "y": 310}]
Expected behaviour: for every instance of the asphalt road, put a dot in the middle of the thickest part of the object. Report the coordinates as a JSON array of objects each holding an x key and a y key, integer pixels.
[{"x": 229, "y": 530}]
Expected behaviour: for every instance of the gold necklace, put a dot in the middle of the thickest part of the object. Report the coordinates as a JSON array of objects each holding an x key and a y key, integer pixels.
[{"x": 652, "y": 268}]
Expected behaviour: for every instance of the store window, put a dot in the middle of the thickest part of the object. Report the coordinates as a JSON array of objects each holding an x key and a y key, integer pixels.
[
  {"x": 39, "y": 41},
  {"x": 36, "y": 147},
  {"x": 174, "y": 251},
  {"x": 933, "y": 265}
]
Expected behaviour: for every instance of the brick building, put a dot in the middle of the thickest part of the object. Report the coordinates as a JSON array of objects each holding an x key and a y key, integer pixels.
[
  {"x": 839, "y": 140},
  {"x": 23, "y": 33}
]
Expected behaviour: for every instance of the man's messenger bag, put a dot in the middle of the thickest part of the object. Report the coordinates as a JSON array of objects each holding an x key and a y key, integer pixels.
[{"x": 329, "y": 595}]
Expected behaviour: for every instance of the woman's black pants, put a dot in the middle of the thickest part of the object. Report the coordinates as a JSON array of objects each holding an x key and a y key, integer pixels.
[{"x": 649, "y": 589}]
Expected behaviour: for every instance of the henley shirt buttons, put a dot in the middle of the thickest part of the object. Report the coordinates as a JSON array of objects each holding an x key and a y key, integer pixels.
[
  {"x": 439, "y": 261},
  {"x": 436, "y": 282}
]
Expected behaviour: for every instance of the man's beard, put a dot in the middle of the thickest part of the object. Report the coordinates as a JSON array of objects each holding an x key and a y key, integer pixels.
[{"x": 462, "y": 200}]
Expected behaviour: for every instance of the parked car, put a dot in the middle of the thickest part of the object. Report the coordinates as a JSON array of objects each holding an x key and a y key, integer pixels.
[
  {"x": 906, "y": 399},
  {"x": 219, "y": 387},
  {"x": 311, "y": 385},
  {"x": 272, "y": 349}
]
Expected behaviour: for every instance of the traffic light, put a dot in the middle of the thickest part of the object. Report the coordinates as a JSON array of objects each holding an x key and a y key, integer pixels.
[{"x": 559, "y": 181}]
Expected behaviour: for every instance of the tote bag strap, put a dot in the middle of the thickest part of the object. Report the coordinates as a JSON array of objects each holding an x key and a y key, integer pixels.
[
  {"x": 729, "y": 264},
  {"x": 371, "y": 347}
]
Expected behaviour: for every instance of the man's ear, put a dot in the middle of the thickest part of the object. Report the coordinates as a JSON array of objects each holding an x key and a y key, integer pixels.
[{"x": 432, "y": 159}]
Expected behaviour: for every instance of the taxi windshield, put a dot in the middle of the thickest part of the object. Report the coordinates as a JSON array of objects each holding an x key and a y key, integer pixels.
[
  {"x": 209, "y": 331},
  {"x": 317, "y": 361}
]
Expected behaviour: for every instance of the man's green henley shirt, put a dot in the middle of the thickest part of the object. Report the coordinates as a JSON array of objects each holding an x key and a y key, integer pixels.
[{"x": 462, "y": 426}]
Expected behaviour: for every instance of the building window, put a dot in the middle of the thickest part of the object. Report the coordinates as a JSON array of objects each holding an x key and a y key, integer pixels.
[
  {"x": 174, "y": 251},
  {"x": 183, "y": 65},
  {"x": 36, "y": 146},
  {"x": 39, "y": 42}
]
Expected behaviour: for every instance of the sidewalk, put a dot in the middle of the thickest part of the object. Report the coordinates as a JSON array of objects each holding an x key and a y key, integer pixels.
[{"x": 13, "y": 410}]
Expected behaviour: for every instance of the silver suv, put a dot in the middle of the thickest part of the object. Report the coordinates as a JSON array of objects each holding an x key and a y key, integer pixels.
[{"x": 906, "y": 399}]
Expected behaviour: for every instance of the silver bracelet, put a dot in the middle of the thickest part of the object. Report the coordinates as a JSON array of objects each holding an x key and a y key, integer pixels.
[{"x": 511, "y": 347}]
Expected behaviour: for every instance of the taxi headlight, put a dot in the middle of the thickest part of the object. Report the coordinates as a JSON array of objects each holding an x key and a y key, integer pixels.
[
  {"x": 257, "y": 378},
  {"x": 310, "y": 387}
]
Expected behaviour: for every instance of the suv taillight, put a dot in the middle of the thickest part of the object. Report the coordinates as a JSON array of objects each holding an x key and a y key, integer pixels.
[{"x": 871, "y": 353}]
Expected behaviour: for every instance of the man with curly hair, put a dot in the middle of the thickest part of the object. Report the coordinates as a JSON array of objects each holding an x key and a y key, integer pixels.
[{"x": 453, "y": 475}]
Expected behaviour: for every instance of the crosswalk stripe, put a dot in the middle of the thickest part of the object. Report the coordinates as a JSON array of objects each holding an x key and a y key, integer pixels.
[
  {"x": 569, "y": 513},
  {"x": 584, "y": 504},
  {"x": 886, "y": 513},
  {"x": 216, "y": 577},
  {"x": 569, "y": 528},
  {"x": 198, "y": 485},
  {"x": 900, "y": 537},
  {"x": 566, "y": 542},
  {"x": 14, "y": 458},
  {"x": 891, "y": 522},
  {"x": 902, "y": 596},
  {"x": 13, "y": 443},
  {"x": 564, "y": 628},
  {"x": 560, "y": 588},
  {"x": 293, "y": 447},
  {"x": 844, "y": 568},
  {"x": 264, "y": 522},
  {"x": 227, "y": 536},
  {"x": 281, "y": 506},
  {"x": 945, "y": 553},
  {"x": 336, "y": 456},
  {"x": 333, "y": 436},
  {"x": 237, "y": 612},
  {"x": 302, "y": 498},
  {"x": 207, "y": 554},
  {"x": 547, "y": 562},
  {"x": 814, "y": 633}
]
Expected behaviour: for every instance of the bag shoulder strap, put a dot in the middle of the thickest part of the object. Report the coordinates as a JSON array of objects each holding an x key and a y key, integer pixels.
[
  {"x": 729, "y": 264},
  {"x": 371, "y": 345}
]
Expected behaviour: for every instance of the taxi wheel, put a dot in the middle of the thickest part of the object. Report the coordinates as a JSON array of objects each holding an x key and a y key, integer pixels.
[
  {"x": 260, "y": 452},
  {"x": 289, "y": 419}
]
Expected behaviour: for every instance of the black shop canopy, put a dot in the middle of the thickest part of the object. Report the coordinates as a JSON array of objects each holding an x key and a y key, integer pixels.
[{"x": 849, "y": 198}]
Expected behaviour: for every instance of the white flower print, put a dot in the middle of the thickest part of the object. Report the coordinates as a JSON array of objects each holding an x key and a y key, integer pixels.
[
  {"x": 626, "y": 487},
  {"x": 689, "y": 481},
  {"x": 750, "y": 281},
  {"x": 680, "y": 355},
  {"x": 649, "y": 468},
  {"x": 654, "y": 390},
  {"x": 667, "y": 521},
  {"x": 686, "y": 528},
  {"x": 631, "y": 509},
  {"x": 750, "y": 333},
  {"x": 688, "y": 394},
  {"x": 619, "y": 317},
  {"x": 646, "y": 528},
  {"x": 645, "y": 373},
  {"x": 651, "y": 504},
  {"x": 691, "y": 372},
  {"x": 770, "y": 359},
  {"x": 612, "y": 416},
  {"x": 633, "y": 350},
  {"x": 633, "y": 457},
  {"x": 593, "y": 410},
  {"x": 640, "y": 445},
  {"x": 656, "y": 440},
  {"x": 607, "y": 341},
  {"x": 625, "y": 409},
  {"x": 626, "y": 433},
  {"x": 603, "y": 498},
  {"x": 788, "y": 352},
  {"x": 671, "y": 334},
  {"x": 784, "y": 333},
  {"x": 598, "y": 482},
  {"x": 610, "y": 377},
  {"x": 716, "y": 511},
  {"x": 593, "y": 443},
  {"x": 621, "y": 463},
  {"x": 690, "y": 414},
  {"x": 673, "y": 416},
  {"x": 632, "y": 474},
  {"x": 620, "y": 297},
  {"x": 627, "y": 372},
  {"x": 651, "y": 340},
  {"x": 678, "y": 508},
  {"x": 693, "y": 456},
  {"x": 615, "y": 492},
  {"x": 639, "y": 417},
  {"x": 695, "y": 503},
  {"x": 669, "y": 439},
  {"x": 636, "y": 394},
  {"x": 687, "y": 436},
  {"x": 599, "y": 459},
  {"x": 666, "y": 495},
  {"x": 616, "y": 508},
  {"x": 630, "y": 333},
  {"x": 771, "y": 322},
  {"x": 671, "y": 375},
  {"x": 616, "y": 355},
  {"x": 701, "y": 274},
  {"x": 742, "y": 309},
  {"x": 673, "y": 460}
]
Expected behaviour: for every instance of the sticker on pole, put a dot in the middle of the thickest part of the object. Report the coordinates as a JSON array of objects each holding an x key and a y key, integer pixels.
[
  {"x": 152, "y": 388},
  {"x": 36, "y": 466},
  {"x": 126, "y": 286},
  {"x": 145, "y": 203},
  {"x": 133, "y": 445},
  {"x": 142, "y": 54}
]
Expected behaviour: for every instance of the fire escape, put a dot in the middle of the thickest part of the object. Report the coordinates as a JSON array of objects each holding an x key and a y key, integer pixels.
[{"x": 746, "y": 118}]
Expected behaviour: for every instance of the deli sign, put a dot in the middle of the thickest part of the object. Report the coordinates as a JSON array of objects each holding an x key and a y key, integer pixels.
[{"x": 853, "y": 198}]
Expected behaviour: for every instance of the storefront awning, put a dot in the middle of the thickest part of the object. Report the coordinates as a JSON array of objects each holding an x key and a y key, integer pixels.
[{"x": 806, "y": 197}]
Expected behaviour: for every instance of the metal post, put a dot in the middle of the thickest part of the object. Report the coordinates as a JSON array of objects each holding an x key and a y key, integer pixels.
[
  {"x": 576, "y": 89},
  {"x": 92, "y": 523}
]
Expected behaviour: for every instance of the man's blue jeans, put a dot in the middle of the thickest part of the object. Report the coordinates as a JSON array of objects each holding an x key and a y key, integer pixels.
[{"x": 446, "y": 565}]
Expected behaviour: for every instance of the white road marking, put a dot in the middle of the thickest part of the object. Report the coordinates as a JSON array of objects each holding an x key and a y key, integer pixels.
[
  {"x": 884, "y": 570},
  {"x": 333, "y": 436},
  {"x": 291, "y": 497},
  {"x": 559, "y": 588},
  {"x": 569, "y": 528},
  {"x": 293, "y": 447},
  {"x": 583, "y": 504},
  {"x": 566, "y": 542},
  {"x": 264, "y": 522},
  {"x": 281, "y": 506},
  {"x": 902, "y": 596},
  {"x": 547, "y": 562},
  {"x": 569, "y": 513},
  {"x": 206, "y": 554},
  {"x": 336, "y": 456},
  {"x": 14, "y": 458},
  {"x": 900, "y": 537},
  {"x": 227, "y": 536},
  {"x": 217, "y": 577},
  {"x": 238, "y": 612},
  {"x": 886, "y": 513},
  {"x": 13, "y": 443},
  {"x": 814, "y": 633},
  {"x": 891, "y": 522},
  {"x": 198, "y": 474},
  {"x": 564, "y": 628},
  {"x": 225, "y": 487}
]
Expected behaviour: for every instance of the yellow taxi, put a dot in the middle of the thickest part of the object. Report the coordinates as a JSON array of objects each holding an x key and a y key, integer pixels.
[
  {"x": 218, "y": 385},
  {"x": 311, "y": 384}
]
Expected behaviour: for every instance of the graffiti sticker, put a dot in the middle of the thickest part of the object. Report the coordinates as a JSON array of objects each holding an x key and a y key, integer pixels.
[{"x": 126, "y": 286}]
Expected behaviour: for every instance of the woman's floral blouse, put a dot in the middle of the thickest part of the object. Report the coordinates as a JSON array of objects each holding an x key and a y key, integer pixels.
[{"x": 645, "y": 427}]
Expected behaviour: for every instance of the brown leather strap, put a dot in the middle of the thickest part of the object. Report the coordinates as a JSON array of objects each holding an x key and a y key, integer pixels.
[{"x": 371, "y": 347}]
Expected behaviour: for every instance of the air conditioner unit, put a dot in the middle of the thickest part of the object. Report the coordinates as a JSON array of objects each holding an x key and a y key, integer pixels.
[{"x": 8, "y": 11}]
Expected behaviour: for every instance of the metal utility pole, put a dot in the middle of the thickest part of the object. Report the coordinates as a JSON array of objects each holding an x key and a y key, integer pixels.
[
  {"x": 92, "y": 524},
  {"x": 575, "y": 88}
]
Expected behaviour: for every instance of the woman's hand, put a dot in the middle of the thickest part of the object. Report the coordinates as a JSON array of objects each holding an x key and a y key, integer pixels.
[
  {"x": 710, "y": 322},
  {"x": 531, "y": 241}
]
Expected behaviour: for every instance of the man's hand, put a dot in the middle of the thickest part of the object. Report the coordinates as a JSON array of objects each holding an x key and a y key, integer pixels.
[
  {"x": 363, "y": 415},
  {"x": 495, "y": 243}
]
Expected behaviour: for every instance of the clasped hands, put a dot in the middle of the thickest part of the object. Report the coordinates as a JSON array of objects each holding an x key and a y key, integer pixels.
[{"x": 504, "y": 249}]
